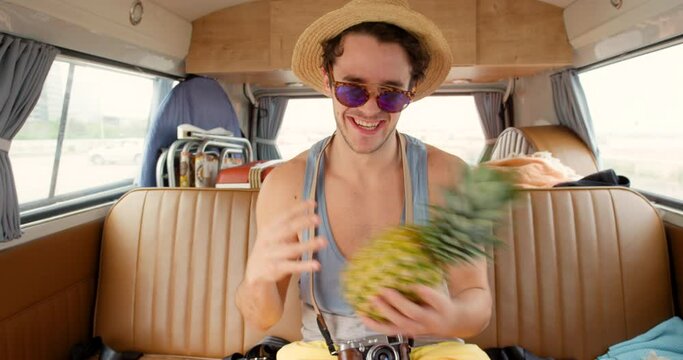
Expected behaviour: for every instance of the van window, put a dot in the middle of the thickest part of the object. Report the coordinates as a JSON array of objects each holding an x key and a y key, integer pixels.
[
  {"x": 449, "y": 122},
  {"x": 85, "y": 134},
  {"x": 637, "y": 111}
]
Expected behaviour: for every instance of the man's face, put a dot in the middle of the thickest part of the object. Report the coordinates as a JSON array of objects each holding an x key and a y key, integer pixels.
[{"x": 367, "y": 61}]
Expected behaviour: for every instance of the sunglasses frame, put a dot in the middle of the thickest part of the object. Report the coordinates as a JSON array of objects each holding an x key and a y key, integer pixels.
[{"x": 381, "y": 89}]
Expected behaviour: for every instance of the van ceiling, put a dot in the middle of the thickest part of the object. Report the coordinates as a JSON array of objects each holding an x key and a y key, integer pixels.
[{"x": 192, "y": 10}]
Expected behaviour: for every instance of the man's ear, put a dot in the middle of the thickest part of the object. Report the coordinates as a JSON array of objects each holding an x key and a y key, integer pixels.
[{"x": 326, "y": 82}]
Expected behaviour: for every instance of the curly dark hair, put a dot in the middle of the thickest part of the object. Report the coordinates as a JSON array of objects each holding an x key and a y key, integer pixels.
[{"x": 385, "y": 33}]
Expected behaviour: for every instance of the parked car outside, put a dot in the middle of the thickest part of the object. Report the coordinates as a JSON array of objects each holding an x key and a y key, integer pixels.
[{"x": 117, "y": 152}]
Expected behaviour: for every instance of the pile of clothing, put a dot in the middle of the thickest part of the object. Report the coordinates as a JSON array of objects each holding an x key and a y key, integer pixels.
[{"x": 542, "y": 170}]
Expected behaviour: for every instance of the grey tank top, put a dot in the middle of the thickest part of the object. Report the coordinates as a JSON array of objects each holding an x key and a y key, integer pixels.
[{"x": 339, "y": 315}]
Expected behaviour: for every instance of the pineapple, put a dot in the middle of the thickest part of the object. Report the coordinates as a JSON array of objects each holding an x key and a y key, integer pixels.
[{"x": 407, "y": 255}]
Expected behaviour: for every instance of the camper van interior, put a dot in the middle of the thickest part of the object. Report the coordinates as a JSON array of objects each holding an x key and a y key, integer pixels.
[{"x": 130, "y": 130}]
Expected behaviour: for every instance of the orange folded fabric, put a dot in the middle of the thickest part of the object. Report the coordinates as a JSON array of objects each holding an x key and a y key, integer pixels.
[{"x": 539, "y": 170}]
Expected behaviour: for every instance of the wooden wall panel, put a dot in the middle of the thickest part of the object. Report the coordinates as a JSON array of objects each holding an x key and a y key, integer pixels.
[
  {"x": 47, "y": 289},
  {"x": 235, "y": 39},
  {"x": 521, "y": 32},
  {"x": 490, "y": 39},
  {"x": 457, "y": 19},
  {"x": 290, "y": 18}
]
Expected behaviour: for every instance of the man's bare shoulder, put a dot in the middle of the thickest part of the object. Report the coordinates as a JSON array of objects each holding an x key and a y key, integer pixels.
[
  {"x": 286, "y": 181},
  {"x": 444, "y": 169}
]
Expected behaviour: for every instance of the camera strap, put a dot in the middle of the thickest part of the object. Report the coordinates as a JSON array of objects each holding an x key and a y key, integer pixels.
[{"x": 407, "y": 203}]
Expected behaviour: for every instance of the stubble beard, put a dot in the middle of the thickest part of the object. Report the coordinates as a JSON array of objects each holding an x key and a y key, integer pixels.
[{"x": 350, "y": 144}]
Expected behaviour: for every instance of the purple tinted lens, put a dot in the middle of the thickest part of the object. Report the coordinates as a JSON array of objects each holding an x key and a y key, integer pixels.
[
  {"x": 392, "y": 101},
  {"x": 351, "y": 96}
]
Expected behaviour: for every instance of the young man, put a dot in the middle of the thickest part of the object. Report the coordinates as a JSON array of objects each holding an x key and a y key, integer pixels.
[{"x": 372, "y": 57}]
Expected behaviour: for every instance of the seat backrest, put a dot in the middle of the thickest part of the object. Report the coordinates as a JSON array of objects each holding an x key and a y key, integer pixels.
[
  {"x": 561, "y": 142},
  {"x": 511, "y": 142},
  {"x": 583, "y": 269},
  {"x": 170, "y": 265}
]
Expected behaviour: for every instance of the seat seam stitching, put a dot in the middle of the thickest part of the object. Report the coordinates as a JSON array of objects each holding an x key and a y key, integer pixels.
[
  {"x": 621, "y": 262},
  {"x": 189, "y": 294},
  {"x": 137, "y": 267}
]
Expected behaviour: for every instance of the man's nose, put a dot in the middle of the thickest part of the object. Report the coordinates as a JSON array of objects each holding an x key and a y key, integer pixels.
[{"x": 370, "y": 108}]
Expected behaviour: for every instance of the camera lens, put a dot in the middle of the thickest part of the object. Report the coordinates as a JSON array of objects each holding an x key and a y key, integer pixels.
[{"x": 382, "y": 353}]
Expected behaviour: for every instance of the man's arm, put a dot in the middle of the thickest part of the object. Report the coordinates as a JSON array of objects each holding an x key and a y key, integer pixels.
[
  {"x": 471, "y": 294},
  {"x": 468, "y": 283},
  {"x": 276, "y": 254}
]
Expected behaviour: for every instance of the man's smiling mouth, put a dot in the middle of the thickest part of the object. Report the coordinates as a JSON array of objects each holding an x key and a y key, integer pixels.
[{"x": 365, "y": 125}]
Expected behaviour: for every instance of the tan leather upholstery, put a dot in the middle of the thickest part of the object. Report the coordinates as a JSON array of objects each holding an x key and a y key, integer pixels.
[
  {"x": 583, "y": 269},
  {"x": 171, "y": 262},
  {"x": 675, "y": 236},
  {"x": 47, "y": 293},
  {"x": 556, "y": 139}
]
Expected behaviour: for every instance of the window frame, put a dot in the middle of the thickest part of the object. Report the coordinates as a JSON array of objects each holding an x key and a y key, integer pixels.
[
  {"x": 661, "y": 45},
  {"x": 298, "y": 91},
  {"x": 55, "y": 205}
]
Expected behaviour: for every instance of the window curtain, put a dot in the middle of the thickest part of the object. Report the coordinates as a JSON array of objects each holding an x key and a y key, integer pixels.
[
  {"x": 24, "y": 65},
  {"x": 271, "y": 111},
  {"x": 493, "y": 119},
  {"x": 571, "y": 107}
]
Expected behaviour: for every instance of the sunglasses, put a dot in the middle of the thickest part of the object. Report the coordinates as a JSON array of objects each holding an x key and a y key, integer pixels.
[{"x": 389, "y": 99}]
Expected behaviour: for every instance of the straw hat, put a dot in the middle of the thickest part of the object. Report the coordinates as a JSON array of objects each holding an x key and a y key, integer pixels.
[{"x": 308, "y": 52}]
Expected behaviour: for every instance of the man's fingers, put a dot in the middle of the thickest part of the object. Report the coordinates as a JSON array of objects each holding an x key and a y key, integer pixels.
[
  {"x": 402, "y": 304},
  {"x": 386, "y": 310},
  {"x": 394, "y": 316},
  {"x": 295, "y": 250},
  {"x": 432, "y": 297},
  {"x": 298, "y": 225},
  {"x": 296, "y": 267},
  {"x": 302, "y": 217}
]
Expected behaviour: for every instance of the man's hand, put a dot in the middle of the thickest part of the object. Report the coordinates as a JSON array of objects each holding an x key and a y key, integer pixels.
[
  {"x": 433, "y": 317},
  {"x": 277, "y": 251}
]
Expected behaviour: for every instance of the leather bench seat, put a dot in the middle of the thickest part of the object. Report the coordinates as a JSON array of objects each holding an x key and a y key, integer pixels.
[{"x": 584, "y": 268}]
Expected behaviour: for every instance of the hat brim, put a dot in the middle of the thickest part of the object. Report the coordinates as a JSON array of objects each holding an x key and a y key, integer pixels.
[{"x": 307, "y": 57}]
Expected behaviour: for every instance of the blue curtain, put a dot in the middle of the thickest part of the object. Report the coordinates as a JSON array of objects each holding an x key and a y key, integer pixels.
[
  {"x": 270, "y": 114},
  {"x": 571, "y": 107},
  {"x": 490, "y": 108},
  {"x": 24, "y": 65}
]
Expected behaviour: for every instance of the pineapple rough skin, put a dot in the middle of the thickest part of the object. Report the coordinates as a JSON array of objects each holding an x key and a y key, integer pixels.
[
  {"x": 459, "y": 231},
  {"x": 395, "y": 260}
]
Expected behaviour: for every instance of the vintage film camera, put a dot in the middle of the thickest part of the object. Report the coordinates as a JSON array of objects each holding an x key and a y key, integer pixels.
[{"x": 375, "y": 348}]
